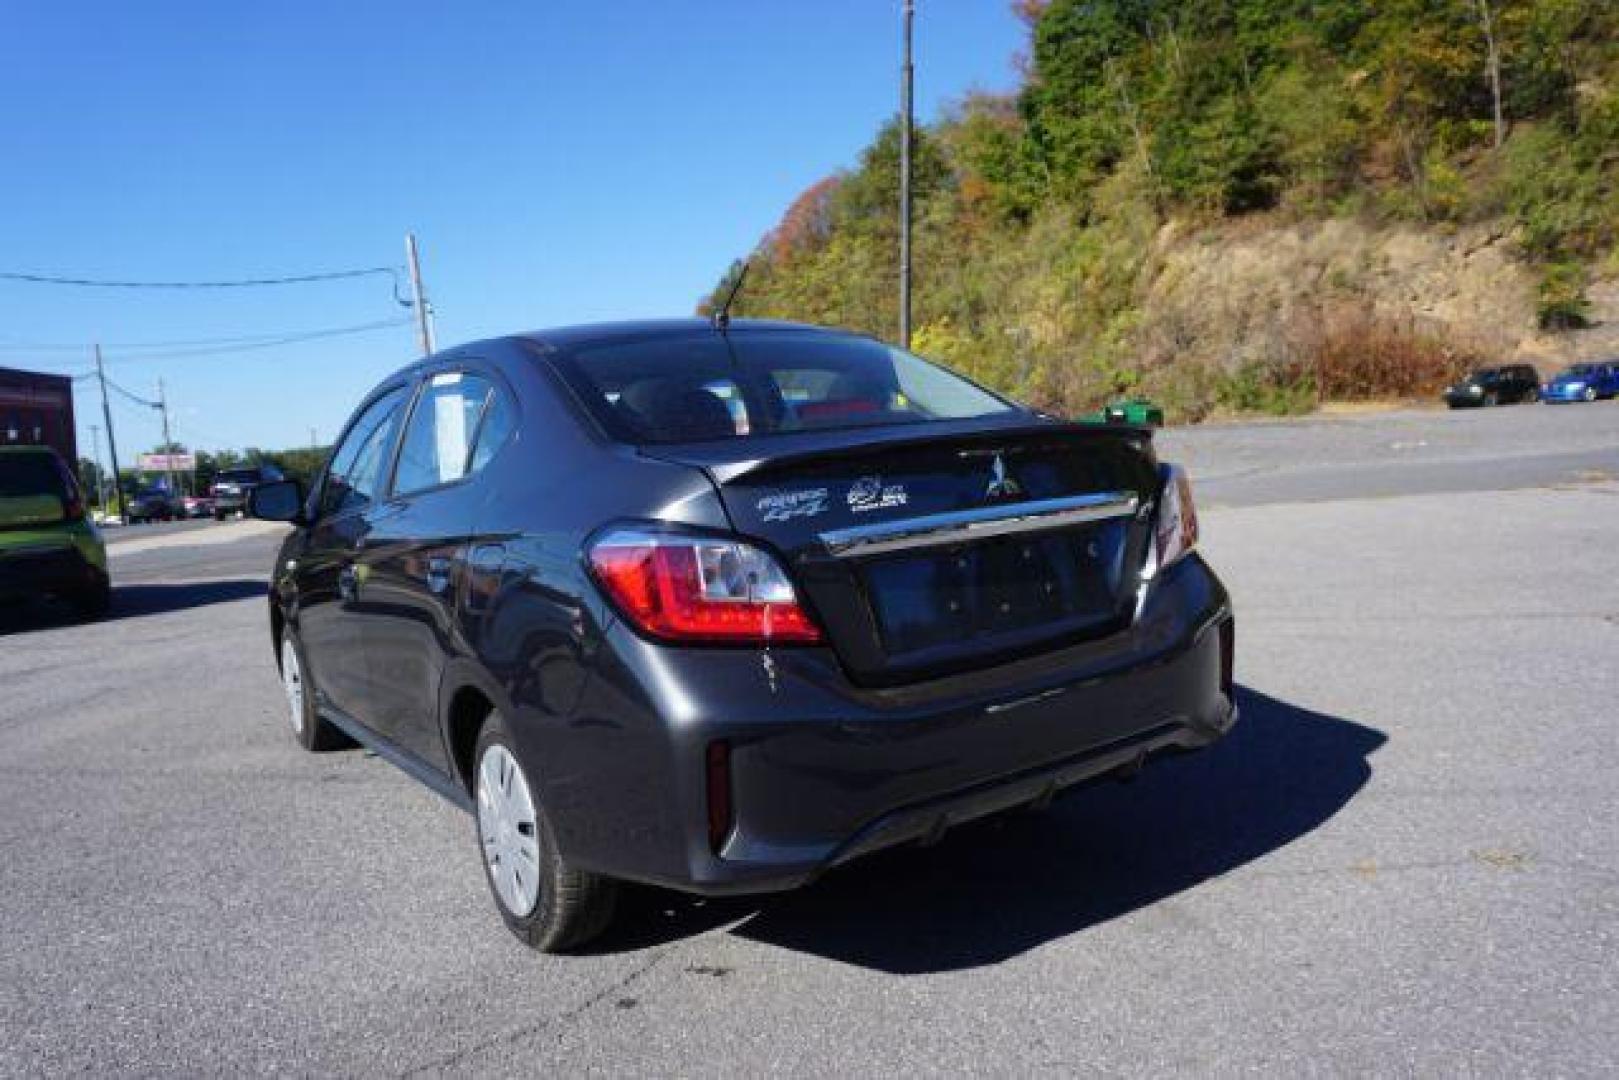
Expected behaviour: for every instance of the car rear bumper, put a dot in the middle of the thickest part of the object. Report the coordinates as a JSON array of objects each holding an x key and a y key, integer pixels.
[
  {"x": 821, "y": 772},
  {"x": 55, "y": 569}
]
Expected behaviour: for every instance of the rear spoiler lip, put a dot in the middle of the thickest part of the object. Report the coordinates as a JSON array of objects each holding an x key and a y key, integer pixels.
[{"x": 729, "y": 460}]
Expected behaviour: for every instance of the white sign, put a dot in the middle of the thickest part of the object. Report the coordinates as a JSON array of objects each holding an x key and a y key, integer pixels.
[{"x": 166, "y": 462}]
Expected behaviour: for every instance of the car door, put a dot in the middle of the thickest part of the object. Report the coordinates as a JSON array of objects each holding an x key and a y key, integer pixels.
[
  {"x": 414, "y": 556},
  {"x": 328, "y": 576}
]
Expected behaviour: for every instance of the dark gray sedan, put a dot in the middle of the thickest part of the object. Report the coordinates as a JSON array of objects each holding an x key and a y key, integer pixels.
[{"x": 720, "y": 607}]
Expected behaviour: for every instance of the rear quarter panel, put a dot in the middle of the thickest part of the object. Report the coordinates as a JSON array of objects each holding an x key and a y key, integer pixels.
[{"x": 531, "y": 620}]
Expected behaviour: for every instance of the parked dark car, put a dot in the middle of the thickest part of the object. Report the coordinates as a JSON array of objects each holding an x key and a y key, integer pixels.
[
  {"x": 152, "y": 504},
  {"x": 1495, "y": 386},
  {"x": 1583, "y": 382},
  {"x": 551, "y": 576},
  {"x": 232, "y": 487}
]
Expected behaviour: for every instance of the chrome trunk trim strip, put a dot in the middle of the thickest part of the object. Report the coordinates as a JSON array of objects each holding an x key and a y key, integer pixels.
[{"x": 962, "y": 526}]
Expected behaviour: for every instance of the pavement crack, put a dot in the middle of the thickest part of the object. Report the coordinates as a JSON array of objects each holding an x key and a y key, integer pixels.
[{"x": 612, "y": 990}]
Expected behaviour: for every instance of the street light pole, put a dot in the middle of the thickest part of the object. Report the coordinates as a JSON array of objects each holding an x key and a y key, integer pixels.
[
  {"x": 905, "y": 110},
  {"x": 424, "y": 314},
  {"x": 112, "y": 442}
]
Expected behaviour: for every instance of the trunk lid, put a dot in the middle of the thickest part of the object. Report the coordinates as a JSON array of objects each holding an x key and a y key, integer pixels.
[{"x": 931, "y": 548}]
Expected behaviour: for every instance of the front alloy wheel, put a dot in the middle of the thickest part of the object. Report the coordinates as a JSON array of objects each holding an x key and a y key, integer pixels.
[
  {"x": 548, "y": 903},
  {"x": 308, "y": 727}
]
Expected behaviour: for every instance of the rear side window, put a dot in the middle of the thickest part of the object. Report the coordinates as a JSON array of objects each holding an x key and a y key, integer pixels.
[
  {"x": 707, "y": 386},
  {"x": 438, "y": 442},
  {"x": 499, "y": 420},
  {"x": 30, "y": 476},
  {"x": 356, "y": 472}
]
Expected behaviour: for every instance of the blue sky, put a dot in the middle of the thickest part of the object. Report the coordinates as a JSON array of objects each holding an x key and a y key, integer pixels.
[{"x": 560, "y": 162}]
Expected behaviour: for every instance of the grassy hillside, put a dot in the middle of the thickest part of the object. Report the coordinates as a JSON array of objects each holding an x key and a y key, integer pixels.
[{"x": 1081, "y": 238}]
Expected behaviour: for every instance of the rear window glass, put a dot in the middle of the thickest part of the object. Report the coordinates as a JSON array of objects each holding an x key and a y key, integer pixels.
[
  {"x": 711, "y": 386},
  {"x": 23, "y": 475},
  {"x": 240, "y": 476}
]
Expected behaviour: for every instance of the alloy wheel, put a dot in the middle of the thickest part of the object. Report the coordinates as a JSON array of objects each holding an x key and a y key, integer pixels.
[{"x": 508, "y": 828}]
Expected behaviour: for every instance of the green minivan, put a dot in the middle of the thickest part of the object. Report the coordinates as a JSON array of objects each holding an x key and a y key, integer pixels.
[{"x": 48, "y": 545}]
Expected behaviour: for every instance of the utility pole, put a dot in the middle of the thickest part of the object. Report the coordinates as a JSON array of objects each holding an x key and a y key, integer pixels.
[
  {"x": 168, "y": 446},
  {"x": 112, "y": 441},
  {"x": 424, "y": 314},
  {"x": 314, "y": 444},
  {"x": 905, "y": 85}
]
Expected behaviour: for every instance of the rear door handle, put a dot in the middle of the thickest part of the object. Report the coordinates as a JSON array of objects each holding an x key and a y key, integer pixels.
[{"x": 438, "y": 574}]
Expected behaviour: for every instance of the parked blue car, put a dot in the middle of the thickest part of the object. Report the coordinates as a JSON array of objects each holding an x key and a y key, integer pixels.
[{"x": 1583, "y": 382}]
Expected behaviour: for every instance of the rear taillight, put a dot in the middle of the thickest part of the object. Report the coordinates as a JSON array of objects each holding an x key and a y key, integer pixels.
[
  {"x": 695, "y": 588},
  {"x": 1176, "y": 531}
]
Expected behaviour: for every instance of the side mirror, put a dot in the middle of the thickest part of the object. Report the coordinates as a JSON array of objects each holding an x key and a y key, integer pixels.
[{"x": 279, "y": 501}]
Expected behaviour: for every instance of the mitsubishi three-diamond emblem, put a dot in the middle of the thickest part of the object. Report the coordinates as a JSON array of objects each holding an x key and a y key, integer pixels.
[{"x": 1001, "y": 484}]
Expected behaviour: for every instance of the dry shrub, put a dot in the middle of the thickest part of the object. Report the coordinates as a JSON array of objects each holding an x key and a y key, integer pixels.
[{"x": 1355, "y": 353}]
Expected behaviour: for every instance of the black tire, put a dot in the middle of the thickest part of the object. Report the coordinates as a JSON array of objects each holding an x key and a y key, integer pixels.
[
  {"x": 93, "y": 601},
  {"x": 219, "y": 515},
  {"x": 313, "y": 732},
  {"x": 574, "y": 906}
]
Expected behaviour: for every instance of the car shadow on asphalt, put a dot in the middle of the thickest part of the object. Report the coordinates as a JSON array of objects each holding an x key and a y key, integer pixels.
[
  {"x": 130, "y": 602},
  {"x": 997, "y": 888}
]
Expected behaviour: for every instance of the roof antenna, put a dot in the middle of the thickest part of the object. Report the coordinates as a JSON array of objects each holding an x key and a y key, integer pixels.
[{"x": 722, "y": 314}]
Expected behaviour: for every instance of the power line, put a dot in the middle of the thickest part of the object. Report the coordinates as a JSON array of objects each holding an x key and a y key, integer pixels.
[
  {"x": 268, "y": 343},
  {"x": 180, "y": 343},
  {"x": 228, "y": 344},
  {"x": 136, "y": 398},
  {"x": 240, "y": 283}
]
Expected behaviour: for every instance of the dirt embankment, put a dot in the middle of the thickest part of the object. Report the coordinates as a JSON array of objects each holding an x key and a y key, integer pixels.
[{"x": 1247, "y": 292}]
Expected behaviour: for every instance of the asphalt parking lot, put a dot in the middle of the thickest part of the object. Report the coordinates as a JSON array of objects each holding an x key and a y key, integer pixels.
[{"x": 1404, "y": 860}]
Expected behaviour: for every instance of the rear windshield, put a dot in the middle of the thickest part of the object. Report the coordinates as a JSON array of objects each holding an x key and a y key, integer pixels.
[
  {"x": 240, "y": 476},
  {"x": 23, "y": 475},
  {"x": 712, "y": 386}
]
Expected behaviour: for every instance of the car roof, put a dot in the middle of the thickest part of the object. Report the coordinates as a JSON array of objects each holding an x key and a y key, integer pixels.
[{"x": 568, "y": 337}]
